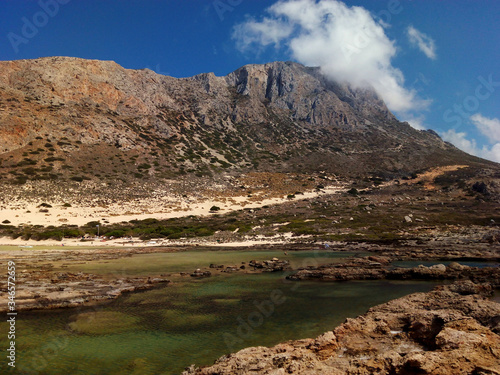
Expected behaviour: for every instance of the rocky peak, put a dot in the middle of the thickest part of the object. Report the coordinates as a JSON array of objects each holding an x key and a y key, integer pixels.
[
  {"x": 277, "y": 116},
  {"x": 307, "y": 93}
]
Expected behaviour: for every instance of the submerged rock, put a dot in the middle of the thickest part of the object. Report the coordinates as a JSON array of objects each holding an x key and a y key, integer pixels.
[
  {"x": 199, "y": 273},
  {"x": 272, "y": 265},
  {"x": 212, "y": 265}
]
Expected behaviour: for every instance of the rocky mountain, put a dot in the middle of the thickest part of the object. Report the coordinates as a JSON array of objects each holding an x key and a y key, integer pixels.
[{"x": 66, "y": 118}]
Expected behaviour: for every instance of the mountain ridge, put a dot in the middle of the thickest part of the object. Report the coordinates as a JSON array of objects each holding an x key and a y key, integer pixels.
[{"x": 280, "y": 116}]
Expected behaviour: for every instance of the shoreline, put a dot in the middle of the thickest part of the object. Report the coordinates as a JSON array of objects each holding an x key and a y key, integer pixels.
[
  {"x": 389, "y": 331},
  {"x": 283, "y": 239},
  {"x": 449, "y": 330},
  {"x": 46, "y": 282}
]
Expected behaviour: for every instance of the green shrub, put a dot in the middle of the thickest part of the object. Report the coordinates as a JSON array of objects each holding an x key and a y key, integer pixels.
[
  {"x": 20, "y": 180},
  {"x": 52, "y": 159},
  {"x": 353, "y": 191},
  {"x": 116, "y": 233},
  {"x": 30, "y": 171},
  {"x": 26, "y": 161}
]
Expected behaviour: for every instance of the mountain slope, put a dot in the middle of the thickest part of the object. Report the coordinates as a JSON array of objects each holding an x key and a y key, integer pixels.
[{"x": 72, "y": 119}]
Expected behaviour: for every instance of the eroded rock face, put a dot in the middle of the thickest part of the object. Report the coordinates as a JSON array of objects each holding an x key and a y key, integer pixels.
[{"x": 446, "y": 331}]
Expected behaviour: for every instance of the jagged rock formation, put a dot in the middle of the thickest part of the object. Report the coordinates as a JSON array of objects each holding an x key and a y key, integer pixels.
[
  {"x": 69, "y": 118},
  {"x": 451, "y": 330}
]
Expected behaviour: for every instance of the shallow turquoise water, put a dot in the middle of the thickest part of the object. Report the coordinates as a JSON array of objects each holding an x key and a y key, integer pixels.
[{"x": 162, "y": 331}]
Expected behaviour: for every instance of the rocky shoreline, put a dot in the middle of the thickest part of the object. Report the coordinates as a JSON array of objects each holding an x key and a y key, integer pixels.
[
  {"x": 40, "y": 285},
  {"x": 376, "y": 268},
  {"x": 453, "y": 329},
  {"x": 43, "y": 290},
  {"x": 45, "y": 283}
]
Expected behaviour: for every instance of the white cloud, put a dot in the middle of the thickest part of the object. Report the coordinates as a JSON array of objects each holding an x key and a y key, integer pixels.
[
  {"x": 416, "y": 122},
  {"x": 470, "y": 146},
  {"x": 488, "y": 127},
  {"x": 425, "y": 43},
  {"x": 346, "y": 42},
  {"x": 264, "y": 33}
]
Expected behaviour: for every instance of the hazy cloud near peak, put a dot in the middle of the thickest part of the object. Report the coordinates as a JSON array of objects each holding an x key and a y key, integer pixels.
[
  {"x": 416, "y": 122},
  {"x": 346, "y": 42},
  {"x": 461, "y": 140},
  {"x": 425, "y": 43},
  {"x": 488, "y": 127}
]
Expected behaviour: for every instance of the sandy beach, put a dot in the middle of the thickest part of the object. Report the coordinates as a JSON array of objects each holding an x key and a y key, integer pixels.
[{"x": 164, "y": 207}]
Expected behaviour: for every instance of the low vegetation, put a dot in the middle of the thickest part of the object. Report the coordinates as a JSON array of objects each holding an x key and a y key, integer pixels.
[{"x": 376, "y": 214}]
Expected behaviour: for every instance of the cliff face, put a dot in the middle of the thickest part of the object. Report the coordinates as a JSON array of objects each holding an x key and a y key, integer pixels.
[{"x": 280, "y": 116}]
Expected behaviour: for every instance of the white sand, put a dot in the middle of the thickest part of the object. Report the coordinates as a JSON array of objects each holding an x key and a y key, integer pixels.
[
  {"x": 158, "y": 208},
  {"x": 32, "y": 245}
]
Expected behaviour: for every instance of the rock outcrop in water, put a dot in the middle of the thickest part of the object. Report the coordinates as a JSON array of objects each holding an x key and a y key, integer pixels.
[
  {"x": 272, "y": 265},
  {"x": 451, "y": 330},
  {"x": 376, "y": 268}
]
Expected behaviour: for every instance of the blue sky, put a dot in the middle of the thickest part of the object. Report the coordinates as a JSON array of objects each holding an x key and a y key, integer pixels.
[{"x": 434, "y": 62}]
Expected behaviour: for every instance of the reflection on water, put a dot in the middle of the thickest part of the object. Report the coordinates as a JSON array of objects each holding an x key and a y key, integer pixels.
[{"x": 162, "y": 331}]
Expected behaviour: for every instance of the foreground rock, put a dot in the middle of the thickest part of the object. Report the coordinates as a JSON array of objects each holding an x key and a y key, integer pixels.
[{"x": 450, "y": 330}]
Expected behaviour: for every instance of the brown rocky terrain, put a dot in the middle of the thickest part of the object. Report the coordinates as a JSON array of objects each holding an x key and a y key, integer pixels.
[
  {"x": 451, "y": 330},
  {"x": 96, "y": 141},
  {"x": 74, "y": 120}
]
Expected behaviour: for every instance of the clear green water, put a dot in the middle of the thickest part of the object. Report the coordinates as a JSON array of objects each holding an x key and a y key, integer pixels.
[
  {"x": 162, "y": 331},
  {"x": 187, "y": 261}
]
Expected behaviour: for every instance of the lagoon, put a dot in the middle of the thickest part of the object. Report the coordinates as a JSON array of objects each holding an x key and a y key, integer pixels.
[{"x": 161, "y": 331}]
